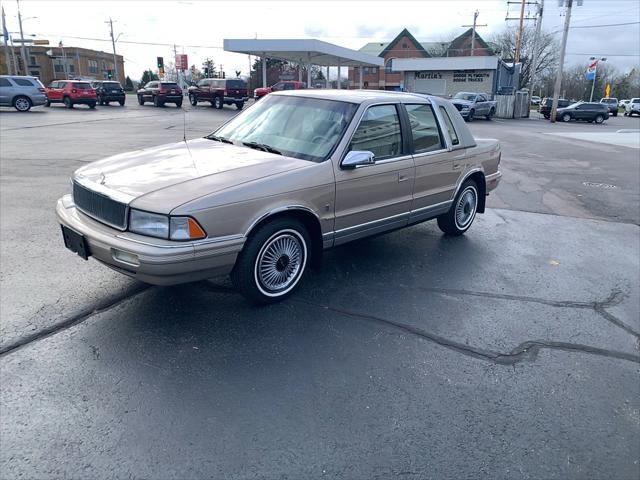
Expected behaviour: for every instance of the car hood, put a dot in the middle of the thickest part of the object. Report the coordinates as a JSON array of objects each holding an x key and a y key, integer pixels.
[
  {"x": 170, "y": 175},
  {"x": 459, "y": 101},
  {"x": 263, "y": 90}
]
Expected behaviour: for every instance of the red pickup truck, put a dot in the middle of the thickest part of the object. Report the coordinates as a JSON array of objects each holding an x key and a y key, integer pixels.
[
  {"x": 220, "y": 92},
  {"x": 258, "y": 93}
]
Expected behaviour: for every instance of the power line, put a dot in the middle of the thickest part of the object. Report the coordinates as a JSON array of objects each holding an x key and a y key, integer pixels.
[
  {"x": 606, "y": 25},
  {"x": 608, "y": 54}
]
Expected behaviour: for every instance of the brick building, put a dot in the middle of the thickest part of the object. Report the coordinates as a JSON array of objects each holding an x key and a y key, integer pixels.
[
  {"x": 80, "y": 62},
  {"x": 406, "y": 46}
]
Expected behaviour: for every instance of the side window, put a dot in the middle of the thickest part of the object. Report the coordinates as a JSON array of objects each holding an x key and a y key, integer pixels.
[
  {"x": 23, "y": 82},
  {"x": 4, "y": 82},
  {"x": 277, "y": 86},
  {"x": 450, "y": 129},
  {"x": 289, "y": 86},
  {"x": 424, "y": 127},
  {"x": 379, "y": 132},
  {"x": 61, "y": 84},
  {"x": 481, "y": 98}
]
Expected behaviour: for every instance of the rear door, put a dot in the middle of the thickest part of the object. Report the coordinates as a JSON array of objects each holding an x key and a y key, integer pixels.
[
  {"x": 5, "y": 92},
  {"x": 481, "y": 105},
  {"x": 376, "y": 197},
  {"x": 435, "y": 175}
]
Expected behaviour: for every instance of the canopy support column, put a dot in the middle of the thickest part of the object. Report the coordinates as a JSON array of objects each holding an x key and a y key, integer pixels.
[
  {"x": 339, "y": 82},
  {"x": 264, "y": 70},
  {"x": 326, "y": 80},
  {"x": 308, "y": 69},
  {"x": 360, "y": 70}
]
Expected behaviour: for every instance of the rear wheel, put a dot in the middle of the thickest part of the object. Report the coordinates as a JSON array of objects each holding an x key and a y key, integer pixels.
[
  {"x": 47, "y": 103},
  {"x": 492, "y": 112},
  {"x": 239, "y": 105},
  {"x": 599, "y": 118},
  {"x": 67, "y": 102},
  {"x": 92, "y": 106},
  {"x": 179, "y": 103},
  {"x": 100, "y": 101},
  {"x": 22, "y": 103},
  {"x": 615, "y": 114},
  {"x": 217, "y": 102},
  {"x": 272, "y": 261},
  {"x": 193, "y": 100},
  {"x": 157, "y": 102},
  {"x": 462, "y": 212},
  {"x": 566, "y": 117}
]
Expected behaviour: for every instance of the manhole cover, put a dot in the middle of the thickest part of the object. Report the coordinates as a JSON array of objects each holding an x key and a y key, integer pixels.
[{"x": 598, "y": 185}]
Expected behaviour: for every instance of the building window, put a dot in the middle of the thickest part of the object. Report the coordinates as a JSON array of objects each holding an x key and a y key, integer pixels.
[
  {"x": 32, "y": 60},
  {"x": 93, "y": 66},
  {"x": 104, "y": 65},
  {"x": 387, "y": 66},
  {"x": 58, "y": 65},
  {"x": 366, "y": 70},
  {"x": 404, "y": 45},
  {"x": 374, "y": 70},
  {"x": 34, "y": 73}
]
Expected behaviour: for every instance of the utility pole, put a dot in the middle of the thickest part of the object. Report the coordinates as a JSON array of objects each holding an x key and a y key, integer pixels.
[
  {"x": 563, "y": 47},
  {"x": 64, "y": 60},
  {"x": 23, "y": 51},
  {"x": 536, "y": 50},
  {"x": 473, "y": 32},
  {"x": 113, "y": 44},
  {"x": 175, "y": 58},
  {"x": 521, "y": 19},
  {"x": 5, "y": 36}
]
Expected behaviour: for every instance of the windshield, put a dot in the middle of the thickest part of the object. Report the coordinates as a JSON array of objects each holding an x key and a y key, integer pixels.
[
  {"x": 305, "y": 128},
  {"x": 465, "y": 96},
  {"x": 608, "y": 100}
]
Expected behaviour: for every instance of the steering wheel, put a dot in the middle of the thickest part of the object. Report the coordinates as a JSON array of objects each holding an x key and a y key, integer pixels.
[{"x": 319, "y": 139}]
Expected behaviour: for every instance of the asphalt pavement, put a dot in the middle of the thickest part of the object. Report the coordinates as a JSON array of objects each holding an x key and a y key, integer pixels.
[{"x": 510, "y": 352}]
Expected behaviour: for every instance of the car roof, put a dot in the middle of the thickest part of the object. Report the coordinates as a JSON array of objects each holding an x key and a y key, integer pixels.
[{"x": 355, "y": 96}]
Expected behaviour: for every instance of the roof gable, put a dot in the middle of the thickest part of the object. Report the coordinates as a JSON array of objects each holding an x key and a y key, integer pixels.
[
  {"x": 411, "y": 38},
  {"x": 458, "y": 43}
]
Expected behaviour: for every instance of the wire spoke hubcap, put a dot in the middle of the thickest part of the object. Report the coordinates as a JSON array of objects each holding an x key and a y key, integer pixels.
[
  {"x": 280, "y": 262},
  {"x": 466, "y": 207}
]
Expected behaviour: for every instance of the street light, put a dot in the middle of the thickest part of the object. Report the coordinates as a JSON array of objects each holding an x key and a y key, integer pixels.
[{"x": 595, "y": 73}]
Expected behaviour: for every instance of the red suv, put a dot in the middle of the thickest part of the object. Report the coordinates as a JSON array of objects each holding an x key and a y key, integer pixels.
[
  {"x": 258, "y": 93},
  {"x": 71, "y": 92}
]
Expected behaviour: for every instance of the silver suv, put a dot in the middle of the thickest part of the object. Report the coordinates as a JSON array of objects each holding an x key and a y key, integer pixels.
[{"x": 21, "y": 92}]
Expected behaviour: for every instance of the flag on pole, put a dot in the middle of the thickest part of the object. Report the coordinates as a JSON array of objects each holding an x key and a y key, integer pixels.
[
  {"x": 5, "y": 33},
  {"x": 591, "y": 71}
]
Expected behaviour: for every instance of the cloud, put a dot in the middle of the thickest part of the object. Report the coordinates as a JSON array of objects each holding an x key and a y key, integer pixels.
[{"x": 315, "y": 31}]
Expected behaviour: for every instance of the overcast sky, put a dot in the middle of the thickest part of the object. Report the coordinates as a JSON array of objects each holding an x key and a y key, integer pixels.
[{"x": 198, "y": 27}]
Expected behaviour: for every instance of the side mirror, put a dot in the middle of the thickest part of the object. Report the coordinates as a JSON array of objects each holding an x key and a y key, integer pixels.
[{"x": 357, "y": 158}]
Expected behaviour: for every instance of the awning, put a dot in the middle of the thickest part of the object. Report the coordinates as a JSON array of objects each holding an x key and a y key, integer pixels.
[{"x": 315, "y": 52}]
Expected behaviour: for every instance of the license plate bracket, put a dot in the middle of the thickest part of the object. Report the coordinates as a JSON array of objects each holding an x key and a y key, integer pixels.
[{"x": 75, "y": 242}]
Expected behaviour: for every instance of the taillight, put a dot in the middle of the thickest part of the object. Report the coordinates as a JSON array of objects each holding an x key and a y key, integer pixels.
[
  {"x": 225, "y": 92},
  {"x": 41, "y": 90}
]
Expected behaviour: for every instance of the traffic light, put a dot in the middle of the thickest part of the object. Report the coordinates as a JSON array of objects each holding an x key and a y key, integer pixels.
[
  {"x": 109, "y": 74},
  {"x": 160, "y": 63},
  {"x": 206, "y": 72}
]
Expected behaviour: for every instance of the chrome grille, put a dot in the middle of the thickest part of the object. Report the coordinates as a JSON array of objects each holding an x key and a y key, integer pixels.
[
  {"x": 458, "y": 106},
  {"x": 100, "y": 207}
]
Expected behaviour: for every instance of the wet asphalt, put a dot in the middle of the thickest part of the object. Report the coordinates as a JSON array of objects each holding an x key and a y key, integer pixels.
[{"x": 511, "y": 352}]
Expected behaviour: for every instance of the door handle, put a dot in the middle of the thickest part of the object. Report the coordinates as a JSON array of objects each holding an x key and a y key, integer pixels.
[{"x": 402, "y": 178}]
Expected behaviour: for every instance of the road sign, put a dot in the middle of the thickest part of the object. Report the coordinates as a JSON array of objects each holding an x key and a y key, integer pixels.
[
  {"x": 182, "y": 63},
  {"x": 607, "y": 90},
  {"x": 41, "y": 42}
]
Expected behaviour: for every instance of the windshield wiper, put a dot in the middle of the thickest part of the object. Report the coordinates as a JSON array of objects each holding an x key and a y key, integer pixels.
[
  {"x": 262, "y": 146},
  {"x": 218, "y": 139}
]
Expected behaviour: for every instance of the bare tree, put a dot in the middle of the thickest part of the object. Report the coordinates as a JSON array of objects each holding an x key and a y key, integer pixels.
[{"x": 505, "y": 46}]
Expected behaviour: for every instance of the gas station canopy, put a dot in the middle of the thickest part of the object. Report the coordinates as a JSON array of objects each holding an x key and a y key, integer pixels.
[{"x": 307, "y": 51}]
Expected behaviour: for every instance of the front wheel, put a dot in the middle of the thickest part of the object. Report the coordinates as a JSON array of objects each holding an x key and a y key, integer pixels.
[
  {"x": 615, "y": 114},
  {"x": 92, "y": 106},
  {"x": 193, "y": 100},
  {"x": 462, "y": 212},
  {"x": 272, "y": 261},
  {"x": 157, "y": 102},
  {"x": 471, "y": 114},
  {"x": 599, "y": 119},
  {"x": 566, "y": 117},
  {"x": 121, "y": 102},
  {"x": 239, "y": 105}
]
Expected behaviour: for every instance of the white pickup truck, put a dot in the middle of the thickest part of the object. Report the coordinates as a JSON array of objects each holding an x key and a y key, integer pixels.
[{"x": 472, "y": 105}]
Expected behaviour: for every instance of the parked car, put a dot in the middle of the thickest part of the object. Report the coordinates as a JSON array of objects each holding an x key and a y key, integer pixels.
[
  {"x": 21, "y": 92},
  {"x": 472, "y": 105},
  {"x": 262, "y": 201},
  {"x": 258, "y": 93},
  {"x": 633, "y": 107},
  {"x": 545, "y": 106},
  {"x": 160, "y": 93},
  {"x": 108, "y": 91},
  {"x": 71, "y": 92},
  {"x": 589, "y": 112},
  {"x": 535, "y": 100},
  {"x": 623, "y": 103},
  {"x": 612, "y": 103},
  {"x": 220, "y": 92}
]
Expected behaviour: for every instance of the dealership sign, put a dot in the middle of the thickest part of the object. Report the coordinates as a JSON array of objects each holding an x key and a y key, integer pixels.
[
  {"x": 469, "y": 76},
  {"x": 182, "y": 62},
  {"x": 429, "y": 75}
]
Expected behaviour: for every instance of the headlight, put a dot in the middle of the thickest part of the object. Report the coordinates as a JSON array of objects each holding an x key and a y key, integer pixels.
[
  {"x": 151, "y": 224},
  {"x": 163, "y": 226}
]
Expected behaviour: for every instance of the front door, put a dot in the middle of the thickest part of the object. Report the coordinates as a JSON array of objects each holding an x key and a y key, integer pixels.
[{"x": 377, "y": 197}]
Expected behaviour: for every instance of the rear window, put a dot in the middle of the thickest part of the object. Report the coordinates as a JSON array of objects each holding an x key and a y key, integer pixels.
[
  {"x": 236, "y": 84},
  {"x": 111, "y": 85},
  {"x": 169, "y": 84},
  {"x": 81, "y": 85},
  {"x": 23, "y": 82},
  {"x": 608, "y": 100}
]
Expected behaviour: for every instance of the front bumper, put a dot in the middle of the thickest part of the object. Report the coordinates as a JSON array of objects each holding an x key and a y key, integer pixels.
[{"x": 159, "y": 262}]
